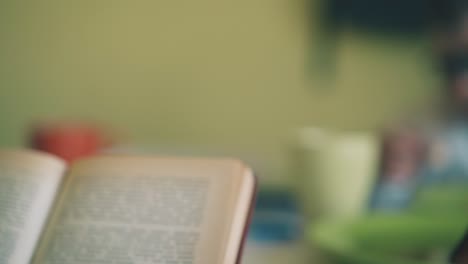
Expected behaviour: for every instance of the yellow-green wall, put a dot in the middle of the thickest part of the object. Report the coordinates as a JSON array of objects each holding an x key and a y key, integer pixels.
[{"x": 227, "y": 75}]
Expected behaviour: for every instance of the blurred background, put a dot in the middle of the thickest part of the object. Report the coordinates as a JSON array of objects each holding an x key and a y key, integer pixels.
[
  {"x": 347, "y": 110},
  {"x": 231, "y": 77}
]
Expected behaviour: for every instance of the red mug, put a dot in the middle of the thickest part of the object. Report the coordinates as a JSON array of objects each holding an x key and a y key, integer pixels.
[{"x": 69, "y": 141}]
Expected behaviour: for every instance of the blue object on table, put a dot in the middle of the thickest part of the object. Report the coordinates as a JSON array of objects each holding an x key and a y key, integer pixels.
[{"x": 276, "y": 218}]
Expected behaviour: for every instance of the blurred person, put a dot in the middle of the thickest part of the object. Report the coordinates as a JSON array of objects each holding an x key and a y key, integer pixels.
[
  {"x": 436, "y": 152},
  {"x": 449, "y": 140},
  {"x": 403, "y": 153},
  {"x": 448, "y": 158}
]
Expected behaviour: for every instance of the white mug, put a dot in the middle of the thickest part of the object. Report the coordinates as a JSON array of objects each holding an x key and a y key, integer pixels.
[{"x": 337, "y": 171}]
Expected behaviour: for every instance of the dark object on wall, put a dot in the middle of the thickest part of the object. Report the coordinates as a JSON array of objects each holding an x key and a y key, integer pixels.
[
  {"x": 399, "y": 16},
  {"x": 392, "y": 19},
  {"x": 396, "y": 16},
  {"x": 446, "y": 14}
]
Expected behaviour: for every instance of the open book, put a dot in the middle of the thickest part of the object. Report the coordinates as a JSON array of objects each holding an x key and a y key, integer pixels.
[{"x": 121, "y": 209}]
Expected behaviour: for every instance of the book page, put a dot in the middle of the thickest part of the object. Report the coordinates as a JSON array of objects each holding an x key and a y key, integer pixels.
[
  {"x": 28, "y": 185},
  {"x": 141, "y": 211}
]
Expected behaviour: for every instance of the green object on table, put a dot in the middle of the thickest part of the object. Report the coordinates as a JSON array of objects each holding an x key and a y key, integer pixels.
[
  {"x": 442, "y": 200},
  {"x": 409, "y": 239}
]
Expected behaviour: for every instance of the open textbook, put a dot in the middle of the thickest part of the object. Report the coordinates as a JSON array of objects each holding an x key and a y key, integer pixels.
[{"x": 122, "y": 209}]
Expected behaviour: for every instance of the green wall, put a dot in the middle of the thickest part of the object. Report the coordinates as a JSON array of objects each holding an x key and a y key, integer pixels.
[{"x": 225, "y": 75}]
